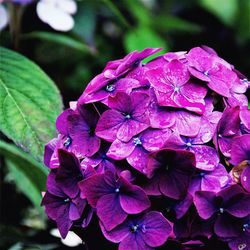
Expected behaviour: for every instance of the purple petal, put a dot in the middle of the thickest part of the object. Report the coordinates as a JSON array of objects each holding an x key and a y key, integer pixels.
[
  {"x": 108, "y": 125},
  {"x": 138, "y": 158},
  {"x": 226, "y": 226},
  {"x": 120, "y": 150},
  {"x": 156, "y": 229},
  {"x": 240, "y": 149},
  {"x": 187, "y": 124},
  {"x": 206, "y": 157},
  {"x": 205, "y": 204},
  {"x": 134, "y": 241},
  {"x": 133, "y": 199},
  {"x": 110, "y": 211},
  {"x": 117, "y": 234},
  {"x": 97, "y": 186}
]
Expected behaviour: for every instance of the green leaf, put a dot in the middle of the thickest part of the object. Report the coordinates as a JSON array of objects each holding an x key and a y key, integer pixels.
[
  {"x": 59, "y": 39},
  {"x": 172, "y": 23},
  {"x": 29, "y": 103},
  {"x": 225, "y": 10},
  {"x": 141, "y": 38},
  {"x": 28, "y": 174}
]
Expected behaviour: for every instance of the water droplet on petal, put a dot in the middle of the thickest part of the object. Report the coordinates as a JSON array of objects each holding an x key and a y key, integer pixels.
[{"x": 244, "y": 178}]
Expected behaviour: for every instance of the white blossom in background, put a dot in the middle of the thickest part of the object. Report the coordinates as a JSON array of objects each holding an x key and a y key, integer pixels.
[
  {"x": 57, "y": 13},
  {"x": 4, "y": 17},
  {"x": 72, "y": 240}
]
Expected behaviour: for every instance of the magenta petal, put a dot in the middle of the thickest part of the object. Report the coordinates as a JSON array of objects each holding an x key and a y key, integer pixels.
[
  {"x": 120, "y": 102},
  {"x": 156, "y": 229},
  {"x": 205, "y": 204},
  {"x": 130, "y": 128},
  {"x": 138, "y": 159},
  {"x": 110, "y": 211},
  {"x": 187, "y": 124},
  {"x": 120, "y": 150},
  {"x": 154, "y": 139},
  {"x": 133, "y": 199},
  {"x": 152, "y": 186},
  {"x": 206, "y": 157},
  {"x": 108, "y": 125}
]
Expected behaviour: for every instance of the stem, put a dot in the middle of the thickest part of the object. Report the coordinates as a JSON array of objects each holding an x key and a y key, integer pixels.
[
  {"x": 16, "y": 14},
  {"x": 96, "y": 109}
]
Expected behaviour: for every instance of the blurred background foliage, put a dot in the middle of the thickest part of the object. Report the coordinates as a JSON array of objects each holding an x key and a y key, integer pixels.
[{"x": 104, "y": 30}]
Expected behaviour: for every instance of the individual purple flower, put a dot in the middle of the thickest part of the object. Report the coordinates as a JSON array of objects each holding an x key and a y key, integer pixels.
[
  {"x": 240, "y": 155},
  {"x": 226, "y": 205},
  {"x": 228, "y": 127},
  {"x": 127, "y": 117},
  {"x": 136, "y": 151},
  {"x": 79, "y": 127},
  {"x": 173, "y": 88},
  {"x": 107, "y": 83},
  {"x": 170, "y": 172},
  {"x": 206, "y": 156},
  {"x": 211, "y": 69},
  {"x": 215, "y": 180},
  {"x": 60, "y": 207},
  {"x": 113, "y": 198},
  {"x": 140, "y": 233}
]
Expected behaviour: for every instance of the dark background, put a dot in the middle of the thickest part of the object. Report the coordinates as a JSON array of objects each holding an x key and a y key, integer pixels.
[{"x": 109, "y": 30}]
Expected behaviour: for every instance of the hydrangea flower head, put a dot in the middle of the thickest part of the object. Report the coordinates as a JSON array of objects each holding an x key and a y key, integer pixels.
[{"x": 158, "y": 152}]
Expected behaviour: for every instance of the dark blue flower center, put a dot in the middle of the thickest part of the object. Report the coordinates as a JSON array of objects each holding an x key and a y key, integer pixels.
[
  {"x": 117, "y": 190},
  {"x": 134, "y": 228},
  {"x": 110, "y": 87},
  {"x": 127, "y": 116},
  {"x": 221, "y": 210},
  {"x": 246, "y": 226},
  {"x": 202, "y": 174},
  {"x": 67, "y": 142},
  {"x": 137, "y": 141},
  {"x": 67, "y": 200},
  {"x": 206, "y": 73},
  {"x": 91, "y": 131}
]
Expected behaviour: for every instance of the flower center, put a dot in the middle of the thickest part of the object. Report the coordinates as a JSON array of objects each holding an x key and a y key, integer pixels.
[
  {"x": 176, "y": 89},
  {"x": 202, "y": 174},
  {"x": 134, "y": 228},
  {"x": 91, "y": 131},
  {"x": 67, "y": 142},
  {"x": 206, "y": 73},
  {"x": 242, "y": 246},
  {"x": 221, "y": 210},
  {"x": 127, "y": 116},
  {"x": 66, "y": 200},
  {"x": 137, "y": 141},
  {"x": 246, "y": 226},
  {"x": 117, "y": 190},
  {"x": 110, "y": 87}
]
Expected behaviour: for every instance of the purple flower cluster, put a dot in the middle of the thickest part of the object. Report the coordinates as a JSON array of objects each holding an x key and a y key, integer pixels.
[{"x": 157, "y": 151}]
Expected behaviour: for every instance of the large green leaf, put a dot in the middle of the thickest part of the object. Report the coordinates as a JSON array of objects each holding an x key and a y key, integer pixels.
[
  {"x": 29, "y": 103},
  {"x": 225, "y": 10},
  {"x": 28, "y": 174},
  {"x": 60, "y": 40}
]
